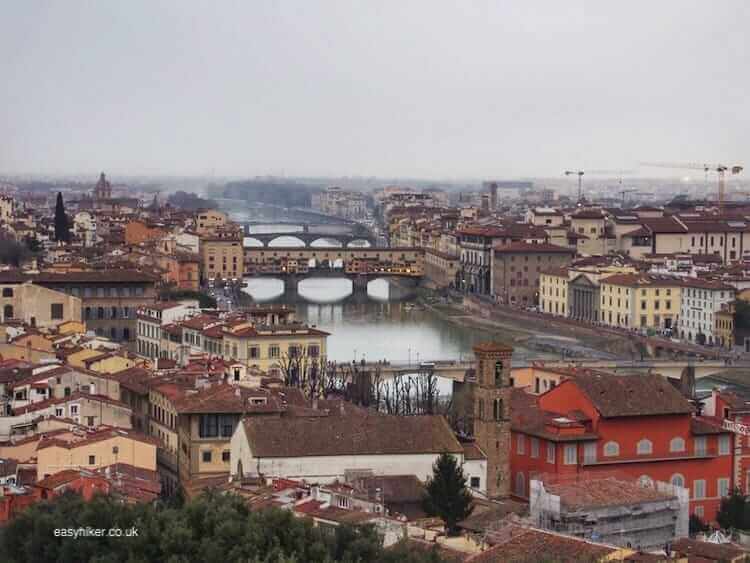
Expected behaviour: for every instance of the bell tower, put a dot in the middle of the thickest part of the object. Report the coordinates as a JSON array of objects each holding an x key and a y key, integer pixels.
[{"x": 491, "y": 403}]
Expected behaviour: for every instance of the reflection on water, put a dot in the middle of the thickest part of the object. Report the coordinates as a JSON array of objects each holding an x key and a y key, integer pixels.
[{"x": 371, "y": 326}]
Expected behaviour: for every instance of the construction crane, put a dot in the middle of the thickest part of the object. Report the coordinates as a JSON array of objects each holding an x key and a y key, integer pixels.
[
  {"x": 580, "y": 176},
  {"x": 720, "y": 169}
]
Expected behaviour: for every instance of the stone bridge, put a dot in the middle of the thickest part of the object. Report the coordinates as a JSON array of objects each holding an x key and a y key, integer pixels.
[{"x": 343, "y": 240}]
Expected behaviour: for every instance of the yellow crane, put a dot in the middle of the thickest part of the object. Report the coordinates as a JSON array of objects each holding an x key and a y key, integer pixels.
[{"x": 720, "y": 169}]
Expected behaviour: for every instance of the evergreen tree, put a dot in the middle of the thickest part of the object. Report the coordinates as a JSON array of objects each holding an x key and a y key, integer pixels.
[
  {"x": 733, "y": 511},
  {"x": 447, "y": 495},
  {"x": 62, "y": 229}
]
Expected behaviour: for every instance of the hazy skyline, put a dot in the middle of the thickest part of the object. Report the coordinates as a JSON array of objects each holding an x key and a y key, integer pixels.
[{"x": 413, "y": 89}]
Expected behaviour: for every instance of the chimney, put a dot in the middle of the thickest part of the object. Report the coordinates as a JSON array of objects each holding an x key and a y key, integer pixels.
[
  {"x": 315, "y": 403},
  {"x": 341, "y": 407}
]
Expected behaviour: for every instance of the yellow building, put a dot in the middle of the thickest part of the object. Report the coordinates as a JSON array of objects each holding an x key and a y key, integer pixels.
[
  {"x": 642, "y": 301},
  {"x": 724, "y": 326},
  {"x": 209, "y": 220},
  {"x": 100, "y": 361},
  {"x": 553, "y": 291},
  {"x": 272, "y": 348},
  {"x": 222, "y": 257},
  {"x": 94, "y": 449}
]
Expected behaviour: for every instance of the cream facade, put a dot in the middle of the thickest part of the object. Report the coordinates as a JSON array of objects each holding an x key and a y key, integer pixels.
[
  {"x": 38, "y": 306},
  {"x": 95, "y": 452}
]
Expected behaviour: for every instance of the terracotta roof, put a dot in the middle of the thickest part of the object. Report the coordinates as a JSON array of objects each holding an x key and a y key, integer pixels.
[
  {"x": 608, "y": 491},
  {"x": 372, "y": 434},
  {"x": 702, "y": 426},
  {"x": 708, "y": 550},
  {"x": 630, "y": 395},
  {"x": 59, "y": 479},
  {"x": 224, "y": 398},
  {"x": 529, "y": 544},
  {"x": 98, "y": 435},
  {"x": 589, "y": 214},
  {"x": 76, "y": 395}
]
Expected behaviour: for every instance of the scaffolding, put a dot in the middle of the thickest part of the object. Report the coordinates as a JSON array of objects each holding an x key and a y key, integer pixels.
[{"x": 645, "y": 521}]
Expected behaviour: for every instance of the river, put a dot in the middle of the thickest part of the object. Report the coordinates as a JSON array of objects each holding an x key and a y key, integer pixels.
[{"x": 377, "y": 326}]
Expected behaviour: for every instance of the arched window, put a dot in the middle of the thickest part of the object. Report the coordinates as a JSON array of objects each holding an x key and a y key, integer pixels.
[
  {"x": 87, "y": 313},
  {"x": 644, "y": 447},
  {"x": 520, "y": 485},
  {"x": 677, "y": 445},
  {"x": 645, "y": 481},
  {"x": 100, "y": 312},
  {"x": 8, "y": 312},
  {"x": 677, "y": 480},
  {"x": 611, "y": 449}
]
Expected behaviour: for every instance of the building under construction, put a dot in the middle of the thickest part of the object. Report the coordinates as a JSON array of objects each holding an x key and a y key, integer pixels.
[{"x": 604, "y": 508}]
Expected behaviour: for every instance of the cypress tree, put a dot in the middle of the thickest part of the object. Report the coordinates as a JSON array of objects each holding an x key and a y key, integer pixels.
[
  {"x": 62, "y": 229},
  {"x": 447, "y": 495}
]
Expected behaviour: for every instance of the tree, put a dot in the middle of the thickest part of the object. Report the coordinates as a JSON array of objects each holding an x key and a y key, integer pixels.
[
  {"x": 447, "y": 495},
  {"x": 213, "y": 527},
  {"x": 62, "y": 228},
  {"x": 733, "y": 512},
  {"x": 697, "y": 525}
]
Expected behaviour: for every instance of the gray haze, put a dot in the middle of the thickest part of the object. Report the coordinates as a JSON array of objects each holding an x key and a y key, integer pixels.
[{"x": 387, "y": 88}]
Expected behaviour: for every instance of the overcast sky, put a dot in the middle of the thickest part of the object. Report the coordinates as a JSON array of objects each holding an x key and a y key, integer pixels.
[{"x": 388, "y": 88}]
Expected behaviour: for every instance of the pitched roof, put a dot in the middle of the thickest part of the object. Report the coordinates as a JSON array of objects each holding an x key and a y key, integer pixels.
[
  {"x": 708, "y": 550},
  {"x": 630, "y": 395},
  {"x": 371, "y": 434},
  {"x": 529, "y": 544},
  {"x": 608, "y": 491}
]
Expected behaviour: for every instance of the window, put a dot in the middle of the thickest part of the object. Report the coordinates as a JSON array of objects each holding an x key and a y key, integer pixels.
[
  {"x": 73, "y": 408},
  {"x": 589, "y": 452},
  {"x": 497, "y": 409},
  {"x": 293, "y": 351},
  {"x": 611, "y": 449},
  {"x": 56, "y": 311},
  {"x": 571, "y": 454},
  {"x": 273, "y": 351},
  {"x": 225, "y": 455},
  {"x": 59, "y": 411},
  {"x": 699, "y": 488},
  {"x": 699, "y": 511},
  {"x": 644, "y": 447},
  {"x": 92, "y": 460},
  {"x": 520, "y": 484},
  {"x": 722, "y": 487},
  {"x": 475, "y": 482},
  {"x": 534, "y": 447},
  {"x": 550, "y": 452},
  {"x": 521, "y": 444},
  {"x": 90, "y": 421},
  {"x": 677, "y": 480},
  {"x": 677, "y": 445},
  {"x": 313, "y": 351},
  {"x": 206, "y": 456},
  {"x": 209, "y": 426},
  {"x": 7, "y": 292},
  {"x": 700, "y": 445},
  {"x": 724, "y": 445}
]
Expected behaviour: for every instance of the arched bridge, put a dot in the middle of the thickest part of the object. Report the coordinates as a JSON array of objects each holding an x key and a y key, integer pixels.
[
  {"x": 343, "y": 240},
  {"x": 332, "y": 236}
]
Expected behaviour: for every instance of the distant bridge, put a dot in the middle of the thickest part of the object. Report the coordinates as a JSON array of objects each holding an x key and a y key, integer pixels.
[
  {"x": 367, "y": 262},
  {"x": 343, "y": 235},
  {"x": 457, "y": 370}
]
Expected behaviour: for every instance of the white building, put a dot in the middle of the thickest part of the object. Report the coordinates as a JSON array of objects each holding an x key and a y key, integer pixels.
[
  {"x": 152, "y": 318},
  {"x": 700, "y": 300},
  {"x": 84, "y": 225},
  {"x": 329, "y": 448}
]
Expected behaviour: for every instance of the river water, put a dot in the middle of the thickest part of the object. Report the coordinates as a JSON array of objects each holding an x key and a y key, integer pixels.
[{"x": 377, "y": 326}]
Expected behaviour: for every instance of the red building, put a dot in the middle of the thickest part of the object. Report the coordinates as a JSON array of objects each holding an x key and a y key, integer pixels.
[
  {"x": 731, "y": 408},
  {"x": 638, "y": 426}
]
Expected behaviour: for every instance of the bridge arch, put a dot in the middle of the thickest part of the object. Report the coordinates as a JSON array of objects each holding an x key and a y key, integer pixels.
[
  {"x": 359, "y": 243},
  {"x": 286, "y": 241},
  {"x": 252, "y": 242},
  {"x": 326, "y": 241}
]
